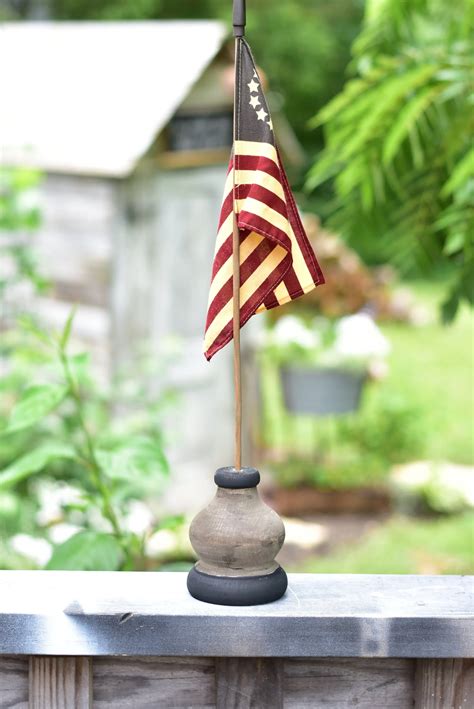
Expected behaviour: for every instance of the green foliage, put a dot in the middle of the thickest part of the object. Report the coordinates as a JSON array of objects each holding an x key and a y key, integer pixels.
[
  {"x": 16, "y": 210},
  {"x": 89, "y": 551},
  {"x": 390, "y": 429},
  {"x": 303, "y": 48},
  {"x": 131, "y": 9},
  {"x": 33, "y": 462},
  {"x": 419, "y": 409},
  {"x": 431, "y": 367},
  {"x": 357, "y": 450},
  {"x": 35, "y": 403},
  {"x": 19, "y": 218},
  {"x": 111, "y": 461},
  {"x": 433, "y": 487},
  {"x": 398, "y": 141},
  {"x": 443, "y": 498},
  {"x": 406, "y": 546}
]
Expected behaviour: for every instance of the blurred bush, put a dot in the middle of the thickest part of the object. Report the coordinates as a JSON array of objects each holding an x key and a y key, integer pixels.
[
  {"x": 357, "y": 450},
  {"x": 436, "y": 486}
]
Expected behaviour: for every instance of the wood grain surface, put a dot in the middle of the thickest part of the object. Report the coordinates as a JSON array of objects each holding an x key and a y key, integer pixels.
[
  {"x": 60, "y": 683},
  {"x": 13, "y": 682},
  {"x": 444, "y": 684},
  {"x": 249, "y": 683}
]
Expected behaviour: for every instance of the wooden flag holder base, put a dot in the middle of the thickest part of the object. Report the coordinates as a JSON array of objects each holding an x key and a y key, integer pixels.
[{"x": 236, "y": 538}]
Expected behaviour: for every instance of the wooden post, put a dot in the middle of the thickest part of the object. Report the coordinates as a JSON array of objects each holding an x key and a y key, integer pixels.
[
  {"x": 444, "y": 684},
  {"x": 60, "y": 683},
  {"x": 249, "y": 683}
]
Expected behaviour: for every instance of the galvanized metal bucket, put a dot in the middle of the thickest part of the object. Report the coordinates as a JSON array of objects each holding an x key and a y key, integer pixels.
[{"x": 322, "y": 391}]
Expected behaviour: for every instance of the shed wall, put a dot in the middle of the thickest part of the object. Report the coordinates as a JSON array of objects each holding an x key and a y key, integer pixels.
[
  {"x": 163, "y": 254},
  {"x": 74, "y": 249},
  {"x": 136, "y": 256}
]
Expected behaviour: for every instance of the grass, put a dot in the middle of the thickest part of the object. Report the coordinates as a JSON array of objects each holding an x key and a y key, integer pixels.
[
  {"x": 432, "y": 366},
  {"x": 407, "y": 546}
]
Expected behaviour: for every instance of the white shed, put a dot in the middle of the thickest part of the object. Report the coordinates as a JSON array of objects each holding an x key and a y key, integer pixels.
[{"x": 131, "y": 124}]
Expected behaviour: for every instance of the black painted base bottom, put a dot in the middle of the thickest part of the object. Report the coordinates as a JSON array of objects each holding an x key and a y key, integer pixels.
[{"x": 237, "y": 590}]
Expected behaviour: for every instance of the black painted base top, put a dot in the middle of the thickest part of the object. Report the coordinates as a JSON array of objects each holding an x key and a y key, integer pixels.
[{"x": 236, "y": 479}]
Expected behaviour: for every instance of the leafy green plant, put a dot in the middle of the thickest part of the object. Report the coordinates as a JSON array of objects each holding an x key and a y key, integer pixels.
[
  {"x": 109, "y": 461},
  {"x": 399, "y": 141},
  {"x": 19, "y": 218}
]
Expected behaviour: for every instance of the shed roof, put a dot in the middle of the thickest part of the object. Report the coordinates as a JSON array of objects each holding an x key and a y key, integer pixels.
[{"x": 90, "y": 97}]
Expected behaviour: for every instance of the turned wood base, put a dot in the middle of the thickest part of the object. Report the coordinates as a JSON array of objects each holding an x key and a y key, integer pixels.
[{"x": 236, "y": 538}]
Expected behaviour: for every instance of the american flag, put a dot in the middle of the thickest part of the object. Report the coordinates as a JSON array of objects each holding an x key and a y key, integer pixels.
[{"x": 277, "y": 263}]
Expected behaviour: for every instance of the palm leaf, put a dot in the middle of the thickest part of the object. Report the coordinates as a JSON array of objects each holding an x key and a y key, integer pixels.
[{"x": 406, "y": 121}]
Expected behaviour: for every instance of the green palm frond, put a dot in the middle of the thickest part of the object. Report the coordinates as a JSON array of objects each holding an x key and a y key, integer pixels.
[{"x": 399, "y": 138}]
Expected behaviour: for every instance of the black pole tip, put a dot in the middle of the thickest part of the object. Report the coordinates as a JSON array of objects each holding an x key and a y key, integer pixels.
[{"x": 239, "y": 18}]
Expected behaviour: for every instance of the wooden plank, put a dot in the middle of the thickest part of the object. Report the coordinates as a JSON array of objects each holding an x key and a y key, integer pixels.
[
  {"x": 249, "y": 683},
  {"x": 335, "y": 615},
  {"x": 143, "y": 683},
  {"x": 13, "y": 682},
  {"x": 340, "y": 684},
  {"x": 60, "y": 683},
  {"x": 444, "y": 684}
]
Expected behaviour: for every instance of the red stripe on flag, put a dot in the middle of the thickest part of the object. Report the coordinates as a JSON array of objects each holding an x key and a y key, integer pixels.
[
  {"x": 299, "y": 232},
  {"x": 249, "y": 308},
  {"x": 263, "y": 195},
  {"x": 256, "y": 162},
  {"x": 250, "y": 264},
  {"x": 226, "y": 209},
  {"x": 223, "y": 254},
  {"x": 248, "y": 220},
  {"x": 293, "y": 286}
]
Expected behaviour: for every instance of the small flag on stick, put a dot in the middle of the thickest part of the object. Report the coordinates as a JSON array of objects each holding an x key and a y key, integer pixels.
[{"x": 277, "y": 263}]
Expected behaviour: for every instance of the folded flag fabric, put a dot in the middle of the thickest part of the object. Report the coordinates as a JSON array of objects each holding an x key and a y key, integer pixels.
[{"x": 277, "y": 263}]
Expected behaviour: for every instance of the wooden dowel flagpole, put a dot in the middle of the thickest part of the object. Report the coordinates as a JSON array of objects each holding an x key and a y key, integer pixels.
[
  {"x": 239, "y": 29},
  {"x": 236, "y": 333}
]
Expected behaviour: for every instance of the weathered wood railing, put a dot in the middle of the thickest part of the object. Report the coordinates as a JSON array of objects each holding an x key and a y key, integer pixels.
[{"x": 113, "y": 640}]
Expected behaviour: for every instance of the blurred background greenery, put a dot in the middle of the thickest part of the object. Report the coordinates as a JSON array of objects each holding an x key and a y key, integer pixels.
[{"x": 379, "y": 94}]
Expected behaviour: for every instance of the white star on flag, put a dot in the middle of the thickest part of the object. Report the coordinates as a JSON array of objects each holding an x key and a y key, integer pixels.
[
  {"x": 253, "y": 86},
  {"x": 261, "y": 114},
  {"x": 254, "y": 101}
]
